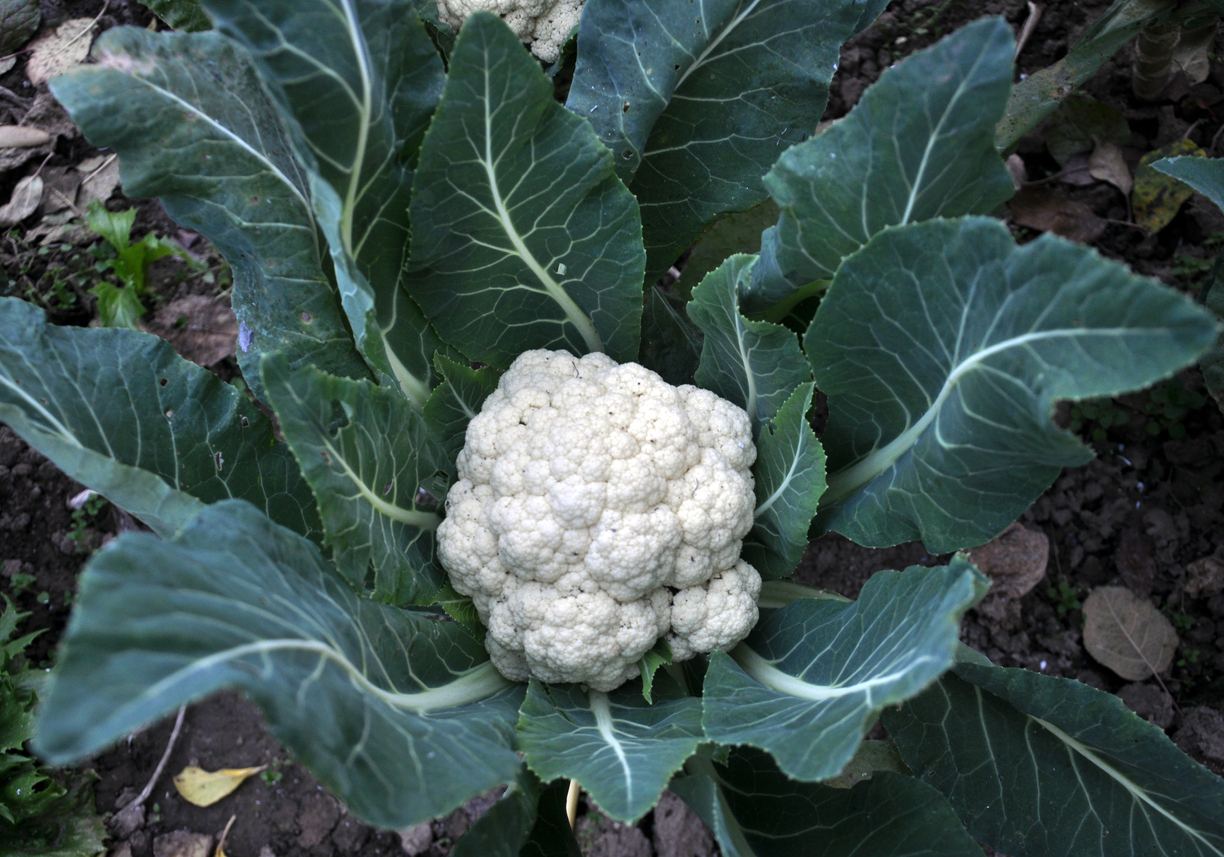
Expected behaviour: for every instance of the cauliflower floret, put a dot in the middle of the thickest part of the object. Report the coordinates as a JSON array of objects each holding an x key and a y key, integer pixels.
[
  {"x": 598, "y": 510},
  {"x": 542, "y": 24}
]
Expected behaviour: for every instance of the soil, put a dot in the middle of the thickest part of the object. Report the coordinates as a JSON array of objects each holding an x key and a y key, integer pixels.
[{"x": 1146, "y": 514}]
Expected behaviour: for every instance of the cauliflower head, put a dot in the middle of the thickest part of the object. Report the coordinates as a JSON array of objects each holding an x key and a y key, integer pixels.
[
  {"x": 598, "y": 509},
  {"x": 542, "y": 24}
]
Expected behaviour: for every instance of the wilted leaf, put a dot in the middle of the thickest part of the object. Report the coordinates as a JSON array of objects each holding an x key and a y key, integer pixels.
[
  {"x": 1107, "y": 164},
  {"x": 19, "y": 20},
  {"x": 1157, "y": 197},
  {"x": 204, "y": 788},
  {"x": 21, "y": 136},
  {"x": 1127, "y": 634},
  {"x": 1205, "y": 577},
  {"x": 871, "y": 756},
  {"x": 1049, "y": 210},
  {"x": 54, "y": 53},
  {"x": 1079, "y": 122},
  {"x": 1015, "y": 561},
  {"x": 26, "y": 197}
]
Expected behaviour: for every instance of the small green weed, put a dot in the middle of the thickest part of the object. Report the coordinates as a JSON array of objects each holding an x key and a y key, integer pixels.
[
  {"x": 83, "y": 519},
  {"x": 21, "y": 583},
  {"x": 1104, "y": 412},
  {"x": 1065, "y": 597}
]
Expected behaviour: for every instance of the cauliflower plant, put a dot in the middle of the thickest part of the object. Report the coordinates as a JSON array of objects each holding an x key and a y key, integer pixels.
[
  {"x": 542, "y": 24},
  {"x": 599, "y": 508}
]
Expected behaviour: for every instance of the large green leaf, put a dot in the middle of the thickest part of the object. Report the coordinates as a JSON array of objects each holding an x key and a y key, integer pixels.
[
  {"x": 697, "y": 100},
  {"x": 754, "y": 809},
  {"x": 671, "y": 345},
  {"x": 183, "y": 15},
  {"x": 1207, "y": 177},
  {"x": 360, "y": 80},
  {"x": 455, "y": 401},
  {"x": 1037, "y": 765},
  {"x": 525, "y": 237},
  {"x": 811, "y": 678},
  {"x": 755, "y": 364},
  {"x": 944, "y": 347},
  {"x": 366, "y": 454},
  {"x": 504, "y": 829},
  {"x": 194, "y": 125},
  {"x": 120, "y": 412},
  {"x": 920, "y": 144},
  {"x": 399, "y": 714},
  {"x": 619, "y": 747},
  {"x": 789, "y": 479}
]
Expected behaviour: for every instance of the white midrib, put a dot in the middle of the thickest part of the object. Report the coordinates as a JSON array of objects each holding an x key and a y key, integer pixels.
[
  {"x": 363, "y": 136},
  {"x": 603, "y": 722},
  {"x": 60, "y": 428},
  {"x": 411, "y": 517},
  {"x": 846, "y": 482},
  {"x": 930, "y": 145},
  {"x": 572, "y": 311},
  {"x": 473, "y": 686},
  {"x": 790, "y": 474},
  {"x": 751, "y": 406},
  {"x": 1135, "y": 791},
  {"x": 774, "y": 679},
  {"x": 212, "y": 123},
  {"x": 715, "y": 42}
]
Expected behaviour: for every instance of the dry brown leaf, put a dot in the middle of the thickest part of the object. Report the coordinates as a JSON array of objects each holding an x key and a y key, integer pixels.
[
  {"x": 1049, "y": 210},
  {"x": 182, "y": 843},
  {"x": 1205, "y": 577},
  {"x": 1127, "y": 634},
  {"x": 99, "y": 183},
  {"x": 1015, "y": 561},
  {"x": 1107, "y": 164},
  {"x": 26, "y": 197},
  {"x": 204, "y": 788},
  {"x": 1019, "y": 174},
  {"x": 21, "y": 137},
  {"x": 55, "y": 52}
]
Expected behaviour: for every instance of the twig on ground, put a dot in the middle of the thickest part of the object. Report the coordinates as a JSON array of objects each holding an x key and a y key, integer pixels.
[
  {"x": 571, "y": 803},
  {"x": 1030, "y": 24}
]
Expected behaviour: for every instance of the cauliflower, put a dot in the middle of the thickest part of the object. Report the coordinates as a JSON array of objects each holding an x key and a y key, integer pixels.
[
  {"x": 599, "y": 508},
  {"x": 542, "y": 24}
]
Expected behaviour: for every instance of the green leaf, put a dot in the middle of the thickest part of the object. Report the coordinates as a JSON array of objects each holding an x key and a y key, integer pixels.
[
  {"x": 552, "y": 836},
  {"x": 524, "y": 236},
  {"x": 366, "y": 454},
  {"x": 671, "y": 345},
  {"x": 19, "y": 20},
  {"x": 400, "y": 715},
  {"x": 361, "y": 81},
  {"x": 620, "y": 748},
  {"x": 1035, "y": 97},
  {"x": 659, "y": 655},
  {"x": 193, "y": 125},
  {"x": 754, "y": 809},
  {"x": 809, "y": 681},
  {"x": 755, "y": 364},
  {"x": 789, "y": 477},
  {"x": 1207, "y": 177},
  {"x": 504, "y": 829},
  {"x": 123, "y": 414},
  {"x": 919, "y": 145},
  {"x": 944, "y": 347},
  {"x": 455, "y": 401},
  {"x": 697, "y": 101},
  {"x": 118, "y": 306},
  {"x": 114, "y": 226},
  {"x": 735, "y": 233},
  {"x": 183, "y": 15},
  {"x": 1037, "y": 765}
]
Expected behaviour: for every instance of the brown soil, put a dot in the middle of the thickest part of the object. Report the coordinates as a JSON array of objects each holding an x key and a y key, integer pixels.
[{"x": 1145, "y": 509}]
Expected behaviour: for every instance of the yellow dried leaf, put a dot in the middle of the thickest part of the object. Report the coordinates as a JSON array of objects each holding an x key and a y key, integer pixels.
[
  {"x": 204, "y": 788},
  {"x": 1157, "y": 197},
  {"x": 54, "y": 53}
]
